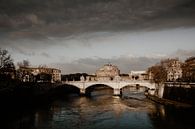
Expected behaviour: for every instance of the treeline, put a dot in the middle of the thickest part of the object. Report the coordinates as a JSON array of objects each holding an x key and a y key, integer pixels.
[
  {"x": 10, "y": 77},
  {"x": 7, "y": 68},
  {"x": 73, "y": 77}
]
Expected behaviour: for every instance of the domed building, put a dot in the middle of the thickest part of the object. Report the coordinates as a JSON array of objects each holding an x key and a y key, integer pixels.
[{"x": 107, "y": 72}]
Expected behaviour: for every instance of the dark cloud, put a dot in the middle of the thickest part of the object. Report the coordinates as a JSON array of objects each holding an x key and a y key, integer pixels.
[
  {"x": 45, "y": 18},
  {"x": 29, "y": 25}
]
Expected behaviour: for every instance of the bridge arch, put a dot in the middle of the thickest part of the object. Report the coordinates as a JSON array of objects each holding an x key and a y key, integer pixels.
[
  {"x": 133, "y": 88},
  {"x": 94, "y": 87},
  {"x": 133, "y": 85},
  {"x": 66, "y": 88},
  {"x": 98, "y": 84},
  {"x": 72, "y": 85},
  {"x": 146, "y": 85}
]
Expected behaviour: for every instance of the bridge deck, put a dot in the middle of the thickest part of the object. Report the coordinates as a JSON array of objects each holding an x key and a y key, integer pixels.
[{"x": 113, "y": 84}]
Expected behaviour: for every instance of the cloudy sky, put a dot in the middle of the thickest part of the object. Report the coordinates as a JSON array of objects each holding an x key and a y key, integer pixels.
[{"x": 83, "y": 35}]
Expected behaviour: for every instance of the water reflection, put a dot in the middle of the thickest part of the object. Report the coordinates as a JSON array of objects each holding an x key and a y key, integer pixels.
[
  {"x": 172, "y": 118},
  {"x": 103, "y": 111}
]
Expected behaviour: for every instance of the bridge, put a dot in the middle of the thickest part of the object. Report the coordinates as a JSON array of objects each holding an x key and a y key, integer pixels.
[{"x": 116, "y": 85}]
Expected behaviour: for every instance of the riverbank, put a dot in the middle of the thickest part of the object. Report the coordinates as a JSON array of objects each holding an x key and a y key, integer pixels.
[
  {"x": 19, "y": 94},
  {"x": 30, "y": 94},
  {"x": 168, "y": 102}
]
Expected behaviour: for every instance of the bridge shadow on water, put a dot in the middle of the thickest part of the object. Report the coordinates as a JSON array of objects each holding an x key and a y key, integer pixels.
[
  {"x": 99, "y": 90},
  {"x": 169, "y": 117},
  {"x": 64, "y": 90},
  {"x": 92, "y": 91}
]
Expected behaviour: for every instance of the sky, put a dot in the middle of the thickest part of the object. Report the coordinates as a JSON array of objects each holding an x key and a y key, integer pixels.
[{"x": 83, "y": 35}]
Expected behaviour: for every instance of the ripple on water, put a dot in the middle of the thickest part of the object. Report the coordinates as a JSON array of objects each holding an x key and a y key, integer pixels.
[{"x": 105, "y": 112}]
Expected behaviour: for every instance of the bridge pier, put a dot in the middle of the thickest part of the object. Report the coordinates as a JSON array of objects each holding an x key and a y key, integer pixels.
[
  {"x": 160, "y": 90},
  {"x": 117, "y": 92},
  {"x": 82, "y": 91}
]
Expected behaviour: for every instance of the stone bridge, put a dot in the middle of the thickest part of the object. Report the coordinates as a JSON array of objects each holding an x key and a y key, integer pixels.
[{"x": 115, "y": 85}]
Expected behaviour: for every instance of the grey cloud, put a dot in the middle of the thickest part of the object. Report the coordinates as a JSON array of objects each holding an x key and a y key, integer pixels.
[
  {"x": 23, "y": 51},
  {"x": 90, "y": 65},
  {"x": 30, "y": 53},
  {"x": 45, "y": 55},
  {"x": 183, "y": 54},
  {"x": 125, "y": 63}
]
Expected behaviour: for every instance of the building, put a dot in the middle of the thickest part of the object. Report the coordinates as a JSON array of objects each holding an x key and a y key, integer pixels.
[
  {"x": 188, "y": 70},
  {"x": 138, "y": 75},
  {"x": 39, "y": 74},
  {"x": 56, "y": 75},
  {"x": 107, "y": 72},
  {"x": 90, "y": 78},
  {"x": 166, "y": 70},
  {"x": 173, "y": 69},
  {"x": 124, "y": 77}
]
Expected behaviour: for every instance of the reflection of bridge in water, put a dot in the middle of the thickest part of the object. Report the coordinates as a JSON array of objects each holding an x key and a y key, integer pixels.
[{"x": 116, "y": 85}]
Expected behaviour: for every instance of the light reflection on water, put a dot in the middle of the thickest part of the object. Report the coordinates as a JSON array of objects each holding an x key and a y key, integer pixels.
[{"x": 103, "y": 111}]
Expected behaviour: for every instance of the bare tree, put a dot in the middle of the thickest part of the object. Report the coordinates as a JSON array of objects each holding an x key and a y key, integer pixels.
[
  {"x": 24, "y": 63},
  {"x": 159, "y": 73},
  {"x": 5, "y": 60},
  {"x": 7, "y": 68}
]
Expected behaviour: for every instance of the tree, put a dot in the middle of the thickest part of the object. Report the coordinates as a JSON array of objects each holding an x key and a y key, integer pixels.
[
  {"x": 188, "y": 70},
  {"x": 159, "y": 73},
  {"x": 5, "y": 60},
  {"x": 7, "y": 68},
  {"x": 24, "y": 63}
]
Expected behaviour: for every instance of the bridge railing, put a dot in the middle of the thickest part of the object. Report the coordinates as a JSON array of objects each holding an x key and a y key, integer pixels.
[{"x": 111, "y": 81}]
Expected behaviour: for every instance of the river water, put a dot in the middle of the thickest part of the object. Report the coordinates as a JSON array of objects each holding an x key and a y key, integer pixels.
[{"x": 103, "y": 111}]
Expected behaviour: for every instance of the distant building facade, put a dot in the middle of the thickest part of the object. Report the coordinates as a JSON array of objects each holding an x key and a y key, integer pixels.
[
  {"x": 107, "y": 72},
  {"x": 124, "y": 76},
  {"x": 166, "y": 70},
  {"x": 189, "y": 70},
  {"x": 90, "y": 78},
  {"x": 138, "y": 75},
  {"x": 173, "y": 68},
  {"x": 40, "y": 74},
  {"x": 56, "y": 75}
]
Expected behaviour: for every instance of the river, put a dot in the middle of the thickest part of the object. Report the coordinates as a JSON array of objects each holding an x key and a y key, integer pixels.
[{"x": 103, "y": 111}]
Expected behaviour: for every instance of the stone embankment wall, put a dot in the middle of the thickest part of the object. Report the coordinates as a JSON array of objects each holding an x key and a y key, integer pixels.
[
  {"x": 28, "y": 93},
  {"x": 179, "y": 91},
  {"x": 19, "y": 94}
]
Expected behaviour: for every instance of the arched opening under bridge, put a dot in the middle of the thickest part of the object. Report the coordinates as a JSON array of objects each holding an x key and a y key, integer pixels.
[
  {"x": 99, "y": 90},
  {"x": 66, "y": 89},
  {"x": 133, "y": 91}
]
